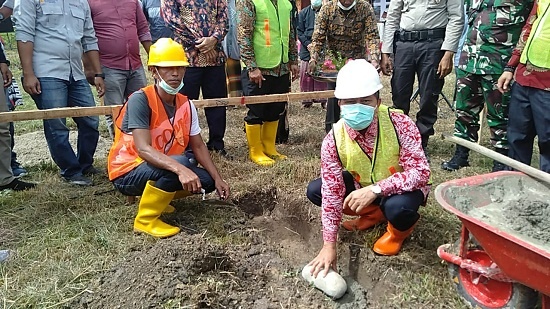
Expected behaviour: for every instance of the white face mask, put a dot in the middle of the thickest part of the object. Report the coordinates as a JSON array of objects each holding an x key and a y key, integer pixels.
[
  {"x": 167, "y": 88},
  {"x": 340, "y": 5}
]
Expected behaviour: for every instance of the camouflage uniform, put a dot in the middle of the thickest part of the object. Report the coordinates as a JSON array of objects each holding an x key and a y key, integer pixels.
[{"x": 494, "y": 29}]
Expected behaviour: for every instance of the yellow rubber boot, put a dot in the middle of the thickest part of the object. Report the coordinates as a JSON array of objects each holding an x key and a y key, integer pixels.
[
  {"x": 390, "y": 243},
  {"x": 151, "y": 205},
  {"x": 179, "y": 194},
  {"x": 269, "y": 134},
  {"x": 255, "y": 148},
  {"x": 169, "y": 209}
]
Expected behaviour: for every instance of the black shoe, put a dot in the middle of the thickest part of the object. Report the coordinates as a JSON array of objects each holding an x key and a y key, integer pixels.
[
  {"x": 223, "y": 153},
  {"x": 91, "y": 171},
  {"x": 18, "y": 185},
  {"x": 79, "y": 180},
  {"x": 460, "y": 159},
  {"x": 18, "y": 170},
  {"x": 497, "y": 166}
]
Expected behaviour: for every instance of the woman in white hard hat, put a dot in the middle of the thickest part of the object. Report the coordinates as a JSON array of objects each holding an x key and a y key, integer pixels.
[{"x": 372, "y": 166}]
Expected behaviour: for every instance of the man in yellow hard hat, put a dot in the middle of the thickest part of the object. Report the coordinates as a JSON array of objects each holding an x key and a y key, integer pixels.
[
  {"x": 372, "y": 166},
  {"x": 154, "y": 128}
]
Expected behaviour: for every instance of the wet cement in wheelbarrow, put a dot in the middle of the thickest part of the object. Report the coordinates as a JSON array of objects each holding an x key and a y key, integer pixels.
[{"x": 518, "y": 205}]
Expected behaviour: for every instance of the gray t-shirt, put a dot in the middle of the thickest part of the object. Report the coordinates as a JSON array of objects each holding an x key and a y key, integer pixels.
[{"x": 138, "y": 114}]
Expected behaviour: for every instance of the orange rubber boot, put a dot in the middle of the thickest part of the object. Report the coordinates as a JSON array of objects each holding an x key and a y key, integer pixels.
[
  {"x": 369, "y": 217},
  {"x": 390, "y": 243}
]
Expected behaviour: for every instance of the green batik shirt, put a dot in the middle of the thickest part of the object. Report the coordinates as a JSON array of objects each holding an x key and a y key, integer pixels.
[{"x": 494, "y": 28}]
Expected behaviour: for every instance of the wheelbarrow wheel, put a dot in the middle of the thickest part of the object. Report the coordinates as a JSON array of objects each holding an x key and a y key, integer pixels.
[{"x": 480, "y": 292}]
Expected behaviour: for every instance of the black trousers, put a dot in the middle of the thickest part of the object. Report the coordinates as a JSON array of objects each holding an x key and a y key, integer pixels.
[
  {"x": 401, "y": 210},
  {"x": 421, "y": 58},
  {"x": 333, "y": 110},
  {"x": 259, "y": 113},
  {"x": 211, "y": 80}
]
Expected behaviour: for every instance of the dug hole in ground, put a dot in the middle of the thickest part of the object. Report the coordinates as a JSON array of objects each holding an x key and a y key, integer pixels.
[
  {"x": 245, "y": 254},
  {"x": 261, "y": 242}
]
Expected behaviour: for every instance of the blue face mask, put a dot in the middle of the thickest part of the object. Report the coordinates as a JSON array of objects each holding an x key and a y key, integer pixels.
[
  {"x": 357, "y": 116},
  {"x": 167, "y": 88}
]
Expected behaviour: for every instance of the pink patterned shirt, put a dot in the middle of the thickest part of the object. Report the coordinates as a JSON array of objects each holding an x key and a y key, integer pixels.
[
  {"x": 119, "y": 27},
  {"x": 415, "y": 176}
]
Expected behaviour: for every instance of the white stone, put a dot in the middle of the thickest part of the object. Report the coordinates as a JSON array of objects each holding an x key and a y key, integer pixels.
[{"x": 332, "y": 284}]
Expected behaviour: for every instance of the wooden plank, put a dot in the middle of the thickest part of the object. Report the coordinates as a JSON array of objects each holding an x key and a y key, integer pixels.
[
  {"x": 113, "y": 109},
  {"x": 55, "y": 113},
  {"x": 529, "y": 170}
]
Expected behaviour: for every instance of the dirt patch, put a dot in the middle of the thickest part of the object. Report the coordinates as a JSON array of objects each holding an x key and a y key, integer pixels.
[
  {"x": 518, "y": 205},
  {"x": 256, "y": 202},
  {"x": 193, "y": 272}
]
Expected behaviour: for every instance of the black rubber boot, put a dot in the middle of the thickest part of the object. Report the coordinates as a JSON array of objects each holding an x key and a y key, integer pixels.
[
  {"x": 497, "y": 166},
  {"x": 460, "y": 159}
]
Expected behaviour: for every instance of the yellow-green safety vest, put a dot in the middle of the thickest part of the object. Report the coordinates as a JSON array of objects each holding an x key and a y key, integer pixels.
[
  {"x": 271, "y": 32},
  {"x": 385, "y": 155},
  {"x": 536, "y": 49}
]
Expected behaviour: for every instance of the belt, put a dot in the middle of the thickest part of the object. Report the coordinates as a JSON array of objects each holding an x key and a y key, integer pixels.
[{"x": 420, "y": 35}]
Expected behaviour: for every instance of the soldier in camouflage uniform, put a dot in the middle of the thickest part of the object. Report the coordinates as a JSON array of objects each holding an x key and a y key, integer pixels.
[{"x": 494, "y": 29}]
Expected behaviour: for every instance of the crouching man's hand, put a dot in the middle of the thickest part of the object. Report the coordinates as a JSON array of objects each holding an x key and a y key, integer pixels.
[
  {"x": 189, "y": 180},
  {"x": 222, "y": 188}
]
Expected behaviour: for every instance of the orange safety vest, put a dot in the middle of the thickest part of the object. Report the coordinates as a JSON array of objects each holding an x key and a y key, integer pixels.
[{"x": 168, "y": 137}]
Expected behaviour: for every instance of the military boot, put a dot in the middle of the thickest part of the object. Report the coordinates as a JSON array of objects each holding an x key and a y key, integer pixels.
[
  {"x": 425, "y": 146},
  {"x": 460, "y": 159},
  {"x": 497, "y": 166}
]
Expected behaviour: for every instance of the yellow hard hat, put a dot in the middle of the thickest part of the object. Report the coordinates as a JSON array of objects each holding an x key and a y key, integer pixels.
[{"x": 167, "y": 53}]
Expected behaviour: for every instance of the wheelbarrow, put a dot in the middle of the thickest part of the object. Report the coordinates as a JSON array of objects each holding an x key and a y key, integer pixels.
[{"x": 490, "y": 266}]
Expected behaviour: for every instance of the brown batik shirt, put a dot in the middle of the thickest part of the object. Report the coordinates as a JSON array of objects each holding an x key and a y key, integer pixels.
[{"x": 353, "y": 33}]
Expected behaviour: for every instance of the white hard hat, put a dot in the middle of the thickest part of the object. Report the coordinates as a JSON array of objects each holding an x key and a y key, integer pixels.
[{"x": 357, "y": 79}]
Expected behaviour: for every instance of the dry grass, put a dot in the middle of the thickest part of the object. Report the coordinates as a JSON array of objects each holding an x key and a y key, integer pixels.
[{"x": 65, "y": 236}]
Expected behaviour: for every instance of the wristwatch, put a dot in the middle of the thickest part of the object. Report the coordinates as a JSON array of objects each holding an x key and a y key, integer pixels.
[
  {"x": 1, "y": 17},
  {"x": 375, "y": 188},
  {"x": 102, "y": 75}
]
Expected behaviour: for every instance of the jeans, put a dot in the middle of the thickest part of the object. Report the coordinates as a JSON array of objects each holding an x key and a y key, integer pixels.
[
  {"x": 133, "y": 183},
  {"x": 58, "y": 93},
  {"x": 119, "y": 84},
  {"x": 401, "y": 210}
]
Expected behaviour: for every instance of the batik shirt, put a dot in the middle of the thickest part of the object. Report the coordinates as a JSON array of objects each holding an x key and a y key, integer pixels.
[
  {"x": 246, "y": 17},
  {"x": 494, "y": 29},
  {"x": 352, "y": 33},
  {"x": 193, "y": 19}
]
